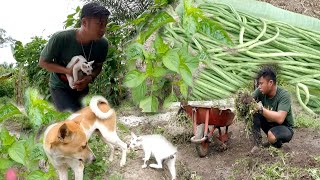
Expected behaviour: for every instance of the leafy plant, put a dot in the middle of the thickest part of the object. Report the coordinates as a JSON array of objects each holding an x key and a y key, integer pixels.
[
  {"x": 27, "y": 57},
  {"x": 161, "y": 69},
  {"x": 39, "y": 111}
]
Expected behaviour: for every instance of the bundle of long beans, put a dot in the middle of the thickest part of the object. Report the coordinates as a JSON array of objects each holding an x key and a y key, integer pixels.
[{"x": 256, "y": 41}]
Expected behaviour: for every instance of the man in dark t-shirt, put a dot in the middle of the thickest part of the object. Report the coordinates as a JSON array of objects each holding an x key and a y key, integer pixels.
[
  {"x": 88, "y": 41},
  {"x": 274, "y": 114}
]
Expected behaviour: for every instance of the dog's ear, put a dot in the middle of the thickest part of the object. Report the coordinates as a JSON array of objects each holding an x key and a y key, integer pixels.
[{"x": 63, "y": 133}]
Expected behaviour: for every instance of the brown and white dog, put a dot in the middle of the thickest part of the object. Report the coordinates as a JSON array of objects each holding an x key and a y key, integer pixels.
[{"x": 66, "y": 142}]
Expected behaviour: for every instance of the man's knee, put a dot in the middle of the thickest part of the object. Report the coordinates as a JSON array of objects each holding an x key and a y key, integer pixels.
[{"x": 271, "y": 137}]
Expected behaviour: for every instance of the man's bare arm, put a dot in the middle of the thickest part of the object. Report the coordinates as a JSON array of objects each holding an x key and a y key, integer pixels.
[
  {"x": 53, "y": 67},
  {"x": 274, "y": 116}
]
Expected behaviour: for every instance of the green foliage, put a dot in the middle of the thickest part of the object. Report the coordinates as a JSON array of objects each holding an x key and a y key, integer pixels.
[
  {"x": 40, "y": 111},
  {"x": 7, "y": 111},
  {"x": 163, "y": 69},
  {"x": 97, "y": 169},
  {"x": 27, "y": 57},
  {"x": 6, "y": 88},
  {"x": 24, "y": 154},
  {"x": 306, "y": 121},
  {"x": 5, "y": 39},
  {"x": 73, "y": 19},
  {"x": 157, "y": 21}
]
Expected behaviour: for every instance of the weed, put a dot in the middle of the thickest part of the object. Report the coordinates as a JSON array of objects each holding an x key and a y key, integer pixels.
[{"x": 303, "y": 120}]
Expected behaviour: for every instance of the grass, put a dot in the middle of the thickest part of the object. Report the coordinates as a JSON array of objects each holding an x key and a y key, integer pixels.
[
  {"x": 276, "y": 166},
  {"x": 305, "y": 121}
]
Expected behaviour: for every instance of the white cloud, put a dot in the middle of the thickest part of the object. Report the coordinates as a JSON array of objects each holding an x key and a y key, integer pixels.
[{"x": 24, "y": 19}]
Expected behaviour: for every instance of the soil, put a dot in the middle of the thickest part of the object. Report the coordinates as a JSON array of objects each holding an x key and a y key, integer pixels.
[
  {"x": 233, "y": 163},
  {"x": 306, "y": 7}
]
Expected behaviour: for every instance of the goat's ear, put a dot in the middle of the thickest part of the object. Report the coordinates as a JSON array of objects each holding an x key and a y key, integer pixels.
[
  {"x": 63, "y": 133},
  {"x": 139, "y": 138},
  {"x": 91, "y": 62}
]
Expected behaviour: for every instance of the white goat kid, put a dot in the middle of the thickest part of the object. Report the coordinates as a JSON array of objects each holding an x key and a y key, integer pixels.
[
  {"x": 159, "y": 147},
  {"x": 79, "y": 64}
]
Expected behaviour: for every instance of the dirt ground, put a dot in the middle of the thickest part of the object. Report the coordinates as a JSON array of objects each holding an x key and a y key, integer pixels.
[
  {"x": 234, "y": 163},
  {"x": 306, "y": 7}
]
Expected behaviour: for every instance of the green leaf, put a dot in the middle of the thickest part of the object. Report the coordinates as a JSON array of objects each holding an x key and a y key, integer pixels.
[
  {"x": 171, "y": 98},
  {"x": 5, "y": 76},
  {"x": 183, "y": 89},
  {"x": 162, "y": 2},
  {"x": 139, "y": 92},
  {"x": 214, "y": 30},
  {"x": 159, "y": 19},
  {"x": 149, "y": 104},
  {"x": 8, "y": 111},
  {"x": 159, "y": 72},
  {"x": 171, "y": 60},
  {"x": 17, "y": 152},
  {"x": 190, "y": 61},
  {"x": 149, "y": 69},
  {"x": 6, "y": 163},
  {"x": 134, "y": 78},
  {"x": 6, "y": 138},
  {"x": 37, "y": 175},
  {"x": 185, "y": 74},
  {"x": 189, "y": 24},
  {"x": 135, "y": 51},
  {"x": 160, "y": 46}
]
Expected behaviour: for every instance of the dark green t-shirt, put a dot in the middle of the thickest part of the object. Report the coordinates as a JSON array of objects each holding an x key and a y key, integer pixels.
[
  {"x": 281, "y": 101},
  {"x": 62, "y": 46}
]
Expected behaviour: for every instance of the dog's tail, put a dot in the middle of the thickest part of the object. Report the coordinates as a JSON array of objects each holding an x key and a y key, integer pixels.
[{"x": 95, "y": 100}]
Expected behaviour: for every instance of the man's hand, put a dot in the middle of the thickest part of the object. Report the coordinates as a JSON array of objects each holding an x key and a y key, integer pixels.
[
  {"x": 258, "y": 107},
  {"x": 82, "y": 83}
]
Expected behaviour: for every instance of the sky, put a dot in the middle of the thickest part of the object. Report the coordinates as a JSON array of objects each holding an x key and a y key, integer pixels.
[{"x": 23, "y": 19}]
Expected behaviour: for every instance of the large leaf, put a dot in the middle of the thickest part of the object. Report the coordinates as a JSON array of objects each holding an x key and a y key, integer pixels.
[
  {"x": 8, "y": 111},
  {"x": 186, "y": 58},
  {"x": 183, "y": 89},
  {"x": 139, "y": 92},
  {"x": 160, "y": 46},
  {"x": 37, "y": 175},
  {"x": 214, "y": 30},
  {"x": 190, "y": 24},
  {"x": 5, "y": 76},
  {"x": 17, "y": 152},
  {"x": 171, "y": 60},
  {"x": 159, "y": 19},
  {"x": 159, "y": 72},
  {"x": 149, "y": 104},
  {"x": 171, "y": 98},
  {"x": 135, "y": 51},
  {"x": 6, "y": 163},
  {"x": 134, "y": 78},
  {"x": 185, "y": 74},
  {"x": 6, "y": 138}
]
